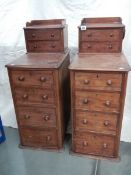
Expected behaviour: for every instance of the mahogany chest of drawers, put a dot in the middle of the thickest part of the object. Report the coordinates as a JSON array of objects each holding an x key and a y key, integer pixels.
[
  {"x": 101, "y": 35},
  {"x": 39, "y": 84},
  {"x": 46, "y": 36},
  {"x": 98, "y": 87}
]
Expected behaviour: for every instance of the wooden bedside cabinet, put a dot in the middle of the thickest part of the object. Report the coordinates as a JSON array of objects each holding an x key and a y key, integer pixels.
[
  {"x": 46, "y": 36},
  {"x": 40, "y": 90}
]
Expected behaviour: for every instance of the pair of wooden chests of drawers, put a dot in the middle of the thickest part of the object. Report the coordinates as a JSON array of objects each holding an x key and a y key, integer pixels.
[{"x": 98, "y": 74}]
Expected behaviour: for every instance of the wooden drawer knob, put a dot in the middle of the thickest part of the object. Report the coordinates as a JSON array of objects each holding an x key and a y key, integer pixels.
[
  {"x": 25, "y": 96},
  {"x": 26, "y": 116},
  {"x": 85, "y": 101},
  {"x": 52, "y": 35},
  {"x": 111, "y": 34},
  {"x": 33, "y": 35},
  {"x": 107, "y": 103},
  {"x": 53, "y": 46},
  {"x": 35, "y": 46},
  {"x": 110, "y": 46},
  {"x": 88, "y": 46},
  {"x": 42, "y": 79},
  {"x": 105, "y": 145},
  {"x": 85, "y": 121},
  {"x": 48, "y": 138},
  {"x": 109, "y": 82},
  {"x": 21, "y": 78},
  {"x": 45, "y": 97},
  {"x": 86, "y": 81},
  {"x": 106, "y": 123},
  {"x": 46, "y": 117},
  {"x": 85, "y": 143},
  {"x": 89, "y": 35},
  {"x": 30, "y": 136}
]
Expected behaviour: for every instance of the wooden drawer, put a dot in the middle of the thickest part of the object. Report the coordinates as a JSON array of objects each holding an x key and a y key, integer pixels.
[
  {"x": 94, "y": 144},
  {"x": 38, "y": 138},
  {"x": 100, "y": 47},
  {"x": 42, "y": 34},
  {"x": 36, "y": 117},
  {"x": 34, "y": 96},
  {"x": 45, "y": 46},
  {"x": 98, "y": 81},
  {"x": 97, "y": 122},
  {"x": 97, "y": 101},
  {"x": 101, "y": 35},
  {"x": 33, "y": 78}
]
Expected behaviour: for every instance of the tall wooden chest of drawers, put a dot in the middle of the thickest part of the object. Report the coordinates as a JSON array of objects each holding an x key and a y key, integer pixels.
[
  {"x": 40, "y": 85},
  {"x": 98, "y": 88}
]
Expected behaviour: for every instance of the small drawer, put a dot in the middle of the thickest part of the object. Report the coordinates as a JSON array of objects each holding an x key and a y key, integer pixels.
[
  {"x": 101, "y": 35},
  {"x": 33, "y": 78},
  {"x": 97, "y": 101},
  {"x": 42, "y": 34},
  {"x": 94, "y": 144},
  {"x": 98, "y": 81},
  {"x": 100, "y": 47},
  {"x": 38, "y": 138},
  {"x": 34, "y": 96},
  {"x": 97, "y": 122},
  {"x": 38, "y": 117},
  {"x": 44, "y": 46}
]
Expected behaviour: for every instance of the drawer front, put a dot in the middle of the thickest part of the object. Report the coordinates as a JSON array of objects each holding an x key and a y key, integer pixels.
[
  {"x": 33, "y": 78},
  {"x": 94, "y": 144},
  {"x": 98, "y": 122},
  {"x": 45, "y": 46},
  {"x": 38, "y": 117},
  {"x": 100, "y": 47},
  {"x": 101, "y": 35},
  {"x": 97, "y": 101},
  {"x": 38, "y": 138},
  {"x": 33, "y": 96},
  {"x": 43, "y": 34},
  {"x": 98, "y": 81}
]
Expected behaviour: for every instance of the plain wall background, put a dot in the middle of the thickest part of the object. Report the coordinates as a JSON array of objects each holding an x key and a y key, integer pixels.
[{"x": 15, "y": 13}]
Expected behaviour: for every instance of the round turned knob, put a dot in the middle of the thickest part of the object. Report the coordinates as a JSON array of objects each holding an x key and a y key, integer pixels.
[
  {"x": 30, "y": 136},
  {"x": 88, "y": 46},
  {"x": 26, "y": 116},
  {"x": 86, "y": 81},
  {"x": 85, "y": 121},
  {"x": 89, "y": 35},
  {"x": 110, "y": 46},
  {"x": 108, "y": 103},
  {"x": 33, "y": 35},
  {"x": 25, "y": 96},
  {"x": 111, "y": 35},
  {"x": 85, "y": 143},
  {"x": 21, "y": 78},
  {"x": 52, "y": 35},
  {"x": 48, "y": 138},
  {"x": 35, "y": 46},
  {"x": 85, "y": 101},
  {"x": 105, "y": 145},
  {"x": 46, "y": 117},
  {"x": 106, "y": 123},
  {"x": 45, "y": 97},
  {"x": 53, "y": 46},
  {"x": 43, "y": 79},
  {"x": 109, "y": 82}
]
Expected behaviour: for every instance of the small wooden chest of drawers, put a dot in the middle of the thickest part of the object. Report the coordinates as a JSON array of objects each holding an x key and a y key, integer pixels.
[
  {"x": 40, "y": 90},
  {"x": 103, "y": 35},
  {"x": 98, "y": 87},
  {"x": 46, "y": 36}
]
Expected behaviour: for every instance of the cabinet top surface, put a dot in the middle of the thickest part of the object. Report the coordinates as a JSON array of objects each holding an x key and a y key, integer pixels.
[
  {"x": 39, "y": 60},
  {"x": 100, "y": 62},
  {"x": 53, "y": 26}
]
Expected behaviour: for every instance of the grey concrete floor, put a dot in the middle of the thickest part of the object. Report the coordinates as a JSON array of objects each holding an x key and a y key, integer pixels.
[{"x": 16, "y": 161}]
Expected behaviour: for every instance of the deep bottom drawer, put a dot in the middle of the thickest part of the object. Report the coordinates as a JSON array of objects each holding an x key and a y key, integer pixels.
[
  {"x": 98, "y": 145},
  {"x": 38, "y": 138}
]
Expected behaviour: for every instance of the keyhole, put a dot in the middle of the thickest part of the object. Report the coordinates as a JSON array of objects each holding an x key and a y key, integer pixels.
[{"x": 97, "y": 76}]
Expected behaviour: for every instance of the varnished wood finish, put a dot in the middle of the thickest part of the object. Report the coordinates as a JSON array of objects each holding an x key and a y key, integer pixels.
[
  {"x": 98, "y": 88},
  {"x": 101, "y": 35},
  {"x": 39, "y": 85},
  {"x": 46, "y": 36}
]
